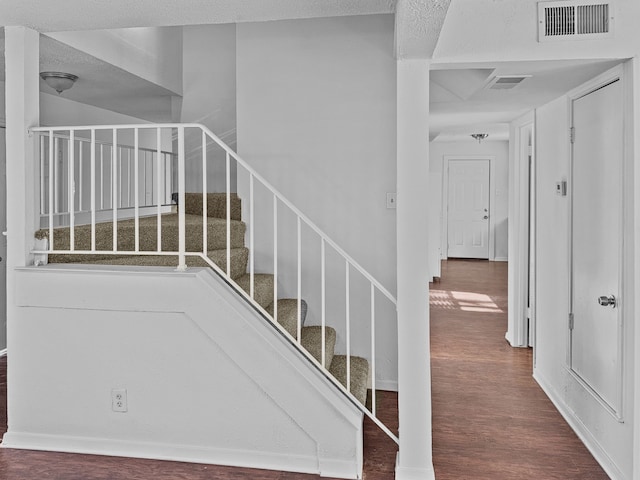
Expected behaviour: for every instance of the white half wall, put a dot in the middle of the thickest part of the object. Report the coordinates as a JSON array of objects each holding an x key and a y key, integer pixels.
[
  {"x": 316, "y": 106},
  {"x": 207, "y": 379},
  {"x": 499, "y": 194}
]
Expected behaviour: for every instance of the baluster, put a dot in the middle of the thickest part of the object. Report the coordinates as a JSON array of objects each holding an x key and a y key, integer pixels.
[
  {"x": 56, "y": 186},
  {"x": 299, "y": 295},
  {"x": 101, "y": 177},
  {"x": 347, "y": 294},
  {"x": 323, "y": 299},
  {"x": 373, "y": 350},
  {"x": 114, "y": 188},
  {"x": 251, "y": 239},
  {"x": 275, "y": 258},
  {"x": 228, "y": 216},
  {"x": 81, "y": 189},
  {"x": 93, "y": 189},
  {"x": 51, "y": 188},
  {"x": 158, "y": 187},
  {"x": 42, "y": 155},
  {"x": 182, "y": 265},
  {"x": 71, "y": 189},
  {"x": 136, "y": 187},
  {"x": 205, "y": 206}
]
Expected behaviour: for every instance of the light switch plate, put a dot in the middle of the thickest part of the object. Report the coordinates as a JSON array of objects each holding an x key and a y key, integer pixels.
[{"x": 391, "y": 200}]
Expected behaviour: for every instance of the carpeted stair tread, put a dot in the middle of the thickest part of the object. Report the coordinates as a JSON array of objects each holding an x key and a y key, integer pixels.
[
  {"x": 288, "y": 314},
  {"x": 312, "y": 342},
  {"x": 216, "y": 205},
  {"x": 359, "y": 374},
  {"x": 216, "y": 234},
  {"x": 239, "y": 258},
  {"x": 263, "y": 287}
]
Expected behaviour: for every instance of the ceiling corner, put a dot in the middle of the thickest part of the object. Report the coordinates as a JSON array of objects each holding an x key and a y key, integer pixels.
[{"x": 418, "y": 26}]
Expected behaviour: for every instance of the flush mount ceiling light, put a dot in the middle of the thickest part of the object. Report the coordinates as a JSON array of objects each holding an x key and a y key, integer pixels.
[
  {"x": 479, "y": 136},
  {"x": 59, "y": 81}
]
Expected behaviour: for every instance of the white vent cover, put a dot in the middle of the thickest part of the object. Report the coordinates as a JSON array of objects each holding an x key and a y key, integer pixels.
[
  {"x": 506, "y": 82},
  {"x": 575, "y": 19}
]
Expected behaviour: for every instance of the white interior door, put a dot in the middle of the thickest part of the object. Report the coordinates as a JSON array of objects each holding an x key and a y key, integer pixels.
[
  {"x": 468, "y": 209},
  {"x": 597, "y": 241}
]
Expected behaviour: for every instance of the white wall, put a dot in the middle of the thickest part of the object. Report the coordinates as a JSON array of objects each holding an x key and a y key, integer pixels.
[
  {"x": 152, "y": 53},
  {"x": 317, "y": 118},
  {"x": 209, "y": 98},
  {"x": 499, "y": 210},
  {"x": 207, "y": 380},
  {"x": 609, "y": 440}
]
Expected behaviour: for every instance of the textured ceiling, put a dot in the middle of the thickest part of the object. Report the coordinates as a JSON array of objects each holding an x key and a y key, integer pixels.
[{"x": 50, "y": 16}]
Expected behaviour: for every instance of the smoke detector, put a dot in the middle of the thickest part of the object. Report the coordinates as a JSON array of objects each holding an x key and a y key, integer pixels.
[
  {"x": 506, "y": 82},
  {"x": 575, "y": 19}
]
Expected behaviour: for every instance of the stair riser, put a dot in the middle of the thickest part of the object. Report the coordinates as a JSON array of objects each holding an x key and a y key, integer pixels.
[
  {"x": 216, "y": 205},
  {"x": 216, "y": 238}
]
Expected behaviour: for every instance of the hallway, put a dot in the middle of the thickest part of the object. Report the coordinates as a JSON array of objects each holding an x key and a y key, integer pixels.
[{"x": 490, "y": 418}]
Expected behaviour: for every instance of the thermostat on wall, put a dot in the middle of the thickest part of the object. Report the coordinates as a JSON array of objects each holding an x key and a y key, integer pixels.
[{"x": 561, "y": 188}]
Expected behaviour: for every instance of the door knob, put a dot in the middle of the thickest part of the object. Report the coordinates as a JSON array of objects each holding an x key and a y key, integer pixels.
[
  {"x": 485, "y": 217},
  {"x": 609, "y": 301}
]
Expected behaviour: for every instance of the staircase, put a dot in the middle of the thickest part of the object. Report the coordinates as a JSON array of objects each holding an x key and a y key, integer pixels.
[{"x": 221, "y": 227}]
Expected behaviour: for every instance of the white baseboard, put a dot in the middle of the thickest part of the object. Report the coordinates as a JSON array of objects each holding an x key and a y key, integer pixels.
[
  {"x": 180, "y": 453},
  {"x": 501, "y": 259},
  {"x": 3, "y": 352},
  {"x": 580, "y": 429},
  {"x": 404, "y": 473},
  {"x": 388, "y": 385}
]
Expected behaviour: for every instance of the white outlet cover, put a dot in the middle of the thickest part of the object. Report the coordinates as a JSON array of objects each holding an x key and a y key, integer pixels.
[{"x": 119, "y": 400}]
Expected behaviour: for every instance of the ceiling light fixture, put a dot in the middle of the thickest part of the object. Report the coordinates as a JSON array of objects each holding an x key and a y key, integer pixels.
[
  {"x": 479, "y": 136},
  {"x": 59, "y": 81}
]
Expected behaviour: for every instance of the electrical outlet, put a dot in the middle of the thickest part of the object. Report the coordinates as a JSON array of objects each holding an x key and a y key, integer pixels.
[{"x": 119, "y": 400}]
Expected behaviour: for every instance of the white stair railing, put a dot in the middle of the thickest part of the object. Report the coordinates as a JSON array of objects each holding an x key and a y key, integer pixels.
[{"x": 70, "y": 148}]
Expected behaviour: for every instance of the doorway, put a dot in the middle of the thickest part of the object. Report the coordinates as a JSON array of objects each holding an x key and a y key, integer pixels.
[{"x": 467, "y": 216}]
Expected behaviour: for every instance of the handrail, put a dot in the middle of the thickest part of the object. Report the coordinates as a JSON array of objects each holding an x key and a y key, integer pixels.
[{"x": 250, "y": 170}]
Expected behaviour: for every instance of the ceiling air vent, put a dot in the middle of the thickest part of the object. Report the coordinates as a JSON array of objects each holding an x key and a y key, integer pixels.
[
  {"x": 506, "y": 82},
  {"x": 575, "y": 19}
]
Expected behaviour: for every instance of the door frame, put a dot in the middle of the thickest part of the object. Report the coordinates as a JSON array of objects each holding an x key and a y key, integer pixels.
[
  {"x": 626, "y": 199},
  {"x": 3, "y": 351},
  {"x": 520, "y": 234},
  {"x": 444, "y": 242}
]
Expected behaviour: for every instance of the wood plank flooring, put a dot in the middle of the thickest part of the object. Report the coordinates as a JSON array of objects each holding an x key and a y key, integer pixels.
[{"x": 490, "y": 419}]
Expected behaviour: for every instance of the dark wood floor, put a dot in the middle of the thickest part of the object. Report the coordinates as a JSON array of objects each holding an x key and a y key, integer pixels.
[{"x": 490, "y": 419}]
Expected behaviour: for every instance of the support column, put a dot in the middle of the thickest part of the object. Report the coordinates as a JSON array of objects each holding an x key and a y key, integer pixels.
[
  {"x": 414, "y": 365},
  {"x": 22, "y": 94},
  {"x": 22, "y": 98}
]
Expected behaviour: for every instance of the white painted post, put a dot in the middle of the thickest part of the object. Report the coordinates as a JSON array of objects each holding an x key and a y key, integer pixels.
[
  {"x": 414, "y": 369},
  {"x": 22, "y": 85},
  {"x": 22, "y": 112}
]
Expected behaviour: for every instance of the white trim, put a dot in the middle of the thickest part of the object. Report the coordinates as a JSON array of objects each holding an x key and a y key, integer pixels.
[
  {"x": 501, "y": 259},
  {"x": 3, "y": 353},
  {"x": 404, "y": 473},
  {"x": 518, "y": 252},
  {"x": 179, "y": 453},
  {"x": 445, "y": 201},
  {"x": 614, "y": 74},
  {"x": 387, "y": 385},
  {"x": 579, "y": 428},
  {"x": 632, "y": 70}
]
